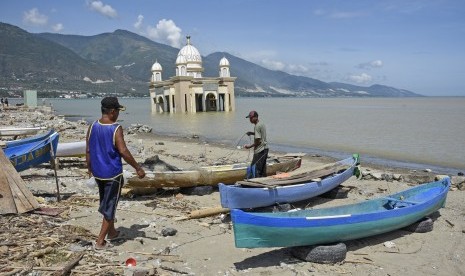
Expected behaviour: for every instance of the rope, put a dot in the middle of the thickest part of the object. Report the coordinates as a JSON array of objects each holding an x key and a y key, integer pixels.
[{"x": 236, "y": 147}]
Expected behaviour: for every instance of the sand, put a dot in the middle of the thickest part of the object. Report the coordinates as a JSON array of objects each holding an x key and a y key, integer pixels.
[{"x": 206, "y": 246}]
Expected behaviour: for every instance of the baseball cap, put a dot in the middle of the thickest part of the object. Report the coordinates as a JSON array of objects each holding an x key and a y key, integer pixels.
[
  {"x": 112, "y": 103},
  {"x": 252, "y": 113}
]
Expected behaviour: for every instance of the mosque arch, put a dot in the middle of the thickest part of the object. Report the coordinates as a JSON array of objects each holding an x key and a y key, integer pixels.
[{"x": 211, "y": 101}]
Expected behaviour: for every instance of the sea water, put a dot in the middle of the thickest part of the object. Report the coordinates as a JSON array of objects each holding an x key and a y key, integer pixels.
[{"x": 419, "y": 132}]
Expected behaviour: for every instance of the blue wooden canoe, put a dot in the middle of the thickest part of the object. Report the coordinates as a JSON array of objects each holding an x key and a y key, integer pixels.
[
  {"x": 286, "y": 190},
  {"x": 29, "y": 140},
  {"x": 33, "y": 152},
  {"x": 342, "y": 223}
]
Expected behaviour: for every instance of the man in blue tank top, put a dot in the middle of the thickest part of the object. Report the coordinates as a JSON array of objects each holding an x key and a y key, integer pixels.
[{"x": 104, "y": 148}]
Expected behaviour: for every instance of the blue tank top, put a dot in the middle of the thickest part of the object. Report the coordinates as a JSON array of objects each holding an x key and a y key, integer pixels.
[{"x": 105, "y": 158}]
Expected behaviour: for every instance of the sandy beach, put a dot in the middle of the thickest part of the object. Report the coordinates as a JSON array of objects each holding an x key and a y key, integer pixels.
[{"x": 203, "y": 246}]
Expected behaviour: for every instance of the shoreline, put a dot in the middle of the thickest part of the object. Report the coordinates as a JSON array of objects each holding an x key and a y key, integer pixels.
[
  {"x": 279, "y": 148},
  {"x": 371, "y": 161}
]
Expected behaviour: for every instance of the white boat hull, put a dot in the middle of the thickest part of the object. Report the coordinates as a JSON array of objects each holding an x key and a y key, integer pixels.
[
  {"x": 71, "y": 149},
  {"x": 17, "y": 131}
]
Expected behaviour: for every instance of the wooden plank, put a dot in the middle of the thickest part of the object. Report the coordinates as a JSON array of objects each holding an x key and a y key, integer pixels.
[
  {"x": 296, "y": 179},
  {"x": 7, "y": 203},
  {"x": 20, "y": 200},
  {"x": 16, "y": 178},
  {"x": 256, "y": 184},
  {"x": 20, "y": 194},
  {"x": 296, "y": 154}
]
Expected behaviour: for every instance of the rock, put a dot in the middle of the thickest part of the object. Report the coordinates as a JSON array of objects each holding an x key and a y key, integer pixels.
[
  {"x": 440, "y": 176},
  {"x": 389, "y": 244},
  {"x": 337, "y": 193},
  {"x": 168, "y": 232},
  {"x": 461, "y": 186},
  {"x": 427, "y": 170},
  {"x": 455, "y": 180},
  {"x": 198, "y": 190},
  {"x": 161, "y": 165},
  {"x": 145, "y": 129},
  {"x": 137, "y": 271},
  {"x": 418, "y": 178},
  {"x": 377, "y": 175},
  {"x": 225, "y": 218},
  {"x": 139, "y": 128},
  {"x": 281, "y": 208},
  {"x": 388, "y": 177}
]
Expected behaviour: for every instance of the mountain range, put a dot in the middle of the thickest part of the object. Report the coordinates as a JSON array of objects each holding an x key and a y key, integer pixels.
[{"x": 120, "y": 62}]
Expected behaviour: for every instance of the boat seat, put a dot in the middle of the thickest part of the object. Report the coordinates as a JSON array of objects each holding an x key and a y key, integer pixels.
[
  {"x": 402, "y": 201},
  {"x": 395, "y": 203}
]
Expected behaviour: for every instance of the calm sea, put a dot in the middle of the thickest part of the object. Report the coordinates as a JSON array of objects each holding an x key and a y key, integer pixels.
[{"x": 418, "y": 133}]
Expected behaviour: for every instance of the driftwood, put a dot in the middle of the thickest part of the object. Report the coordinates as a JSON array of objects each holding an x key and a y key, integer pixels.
[
  {"x": 42, "y": 252},
  {"x": 450, "y": 223},
  {"x": 164, "y": 257},
  {"x": 22, "y": 246},
  {"x": 67, "y": 269},
  {"x": 172, "y": 269},
  {"x": 357, "y": 262},
  {"x": 205, "y": 213}
]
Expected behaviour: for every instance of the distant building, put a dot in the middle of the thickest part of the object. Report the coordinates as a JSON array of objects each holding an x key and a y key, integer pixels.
[{"x": 188, "y": 91}]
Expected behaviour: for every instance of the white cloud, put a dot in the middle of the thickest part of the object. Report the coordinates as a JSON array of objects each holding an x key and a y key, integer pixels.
[
  {"x": 165, "y": 31},
  {"x": 370, "y": 65},
  {"x": 57, "y": 27},
  {"x": 273, "y": 64},
  {"x": 346, "y": 15},
  {"x": 319, "y": 12},
  {"x": 338, "y": 14},
  {"x": 361, "y": 79},
  {"x": 138, "y": 23},
  {"x": 296, "y": 69},
  {"x": 33, "y": 17},
  {"x": 103, "y": 9}
]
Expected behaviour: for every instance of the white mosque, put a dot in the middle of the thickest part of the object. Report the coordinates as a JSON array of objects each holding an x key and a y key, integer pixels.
[{"x": 189, "y": 91}]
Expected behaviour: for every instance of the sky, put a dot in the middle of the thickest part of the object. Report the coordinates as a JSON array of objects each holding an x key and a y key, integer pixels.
[{"x": 417, "y": 45}]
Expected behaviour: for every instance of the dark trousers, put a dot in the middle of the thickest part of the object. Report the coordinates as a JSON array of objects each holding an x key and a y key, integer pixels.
[
  {"x": 109, "y": 193},
  {"x": 259, "y": 160}
]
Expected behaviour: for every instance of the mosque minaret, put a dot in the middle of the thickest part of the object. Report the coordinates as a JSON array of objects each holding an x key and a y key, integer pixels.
[{"x": 188, "y": 91}]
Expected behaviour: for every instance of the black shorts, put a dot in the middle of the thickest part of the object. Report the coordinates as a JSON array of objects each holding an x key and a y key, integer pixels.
[{"x": 109, "y": 194}]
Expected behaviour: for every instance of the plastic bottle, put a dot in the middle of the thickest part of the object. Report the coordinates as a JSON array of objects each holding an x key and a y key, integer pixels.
[
  {"x": 126, "y": 176},
  {"x": 91, "y": 183}
]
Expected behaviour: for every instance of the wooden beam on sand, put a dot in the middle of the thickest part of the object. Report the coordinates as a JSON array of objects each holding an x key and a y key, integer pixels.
[
  {"x": 15, "y": 198},
  {"x": 204, "y": 213}
]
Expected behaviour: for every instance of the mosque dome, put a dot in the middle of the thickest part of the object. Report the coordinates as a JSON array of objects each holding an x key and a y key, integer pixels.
[
  {"x": 224, "y": 62},
  {"x": 156, "y": 67},
  {"x": 190, "y": 52},
  {"x": 181, "y": 60}
]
